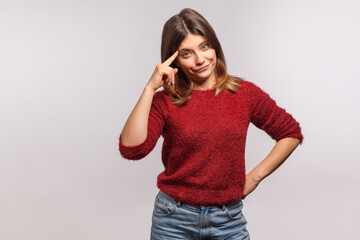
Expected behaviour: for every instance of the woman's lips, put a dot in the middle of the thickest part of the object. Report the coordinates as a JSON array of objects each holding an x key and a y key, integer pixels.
[{"x": 202, "y": 69}]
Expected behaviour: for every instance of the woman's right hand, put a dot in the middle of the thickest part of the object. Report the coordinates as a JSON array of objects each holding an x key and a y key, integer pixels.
[{"x": 163, "y": 73}]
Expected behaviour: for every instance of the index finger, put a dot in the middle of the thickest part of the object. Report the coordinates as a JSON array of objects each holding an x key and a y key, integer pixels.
[{"x": 171, "y": 59}]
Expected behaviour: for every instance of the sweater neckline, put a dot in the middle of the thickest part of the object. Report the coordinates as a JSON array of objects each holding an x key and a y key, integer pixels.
[{"x": 202, "y": 90}]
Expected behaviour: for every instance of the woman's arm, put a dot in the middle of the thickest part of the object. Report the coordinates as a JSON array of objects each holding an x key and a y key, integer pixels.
[
  {"x": 135, "y": 128},
  {"x": 276, "y": 157},
  {"x": 148, "y": 134}
]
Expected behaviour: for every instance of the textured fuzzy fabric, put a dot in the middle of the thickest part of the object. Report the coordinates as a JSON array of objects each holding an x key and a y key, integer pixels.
[{"x": 204, "y": 141}]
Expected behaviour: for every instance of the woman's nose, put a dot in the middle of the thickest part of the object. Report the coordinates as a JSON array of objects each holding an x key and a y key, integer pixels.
[{"x": 199, "y": 59}]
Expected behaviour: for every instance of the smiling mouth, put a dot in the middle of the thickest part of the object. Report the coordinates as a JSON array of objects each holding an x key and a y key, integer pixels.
[{"x": 202, "y": 69}]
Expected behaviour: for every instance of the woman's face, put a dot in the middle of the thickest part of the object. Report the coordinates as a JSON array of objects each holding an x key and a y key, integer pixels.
[{"x": 197, "y": 59}]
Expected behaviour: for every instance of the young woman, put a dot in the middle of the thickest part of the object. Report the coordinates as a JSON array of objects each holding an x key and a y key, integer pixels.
[{"x": 203, "y": 115}]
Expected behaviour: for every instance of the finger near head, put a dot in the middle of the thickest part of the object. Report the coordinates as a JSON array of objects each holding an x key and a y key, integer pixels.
[
  {"x": 171, "y": 59},
  {"x": 164, "y": 71}
]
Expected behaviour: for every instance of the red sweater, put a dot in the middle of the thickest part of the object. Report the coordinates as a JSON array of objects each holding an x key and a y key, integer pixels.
[{"x": 204, "y": 141}]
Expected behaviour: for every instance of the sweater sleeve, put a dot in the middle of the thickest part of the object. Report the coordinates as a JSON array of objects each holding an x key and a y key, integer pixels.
[
  {"x": 156, "y": 124},
  {"x": 268, "y": 116}
]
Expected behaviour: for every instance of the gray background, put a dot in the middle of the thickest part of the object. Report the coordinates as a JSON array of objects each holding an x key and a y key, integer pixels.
[{"x": 72, "y": 71}]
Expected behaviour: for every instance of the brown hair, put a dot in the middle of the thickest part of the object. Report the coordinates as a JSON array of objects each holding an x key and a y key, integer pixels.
[{"x": 188, "y": 21}]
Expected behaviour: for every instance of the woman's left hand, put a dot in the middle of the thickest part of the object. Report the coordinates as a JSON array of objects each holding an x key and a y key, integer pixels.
[{"x": 250, "y": 184}]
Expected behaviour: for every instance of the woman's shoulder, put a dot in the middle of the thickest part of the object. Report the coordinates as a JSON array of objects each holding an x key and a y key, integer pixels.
[
  {"x": 252, "y": 91},
  {"x": 246, "y": 84},
  {"x": 161, "y": 97},
  {"x": 248, "y": 87},
  {"x": 161, "y": 94}
]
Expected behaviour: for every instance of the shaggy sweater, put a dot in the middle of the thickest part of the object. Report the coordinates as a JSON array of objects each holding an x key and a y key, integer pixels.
[{"x": 204, "y": 141}]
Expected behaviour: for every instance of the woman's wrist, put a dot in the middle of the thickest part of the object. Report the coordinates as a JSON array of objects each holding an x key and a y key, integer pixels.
[
  {"x": 150, "y": 88},
  {"x": 256, "y": 175}
]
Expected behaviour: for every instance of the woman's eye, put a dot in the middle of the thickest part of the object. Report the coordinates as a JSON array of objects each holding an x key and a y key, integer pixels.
[
  {"x": 186, "y": 54},
  {"x": 205, "y": 47}
]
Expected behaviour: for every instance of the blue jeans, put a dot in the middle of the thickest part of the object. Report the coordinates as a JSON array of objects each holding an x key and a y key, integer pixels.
[{"x": 176, "y": 220}]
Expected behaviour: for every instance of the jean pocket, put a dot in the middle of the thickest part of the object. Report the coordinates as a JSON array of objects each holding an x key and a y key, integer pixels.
[
  {"x": 235, "y": 212},
  {"x": 163, "y": 208}
]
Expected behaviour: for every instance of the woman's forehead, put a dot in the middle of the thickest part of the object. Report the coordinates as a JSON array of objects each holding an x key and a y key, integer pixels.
[{"x": 192, "y": 41}]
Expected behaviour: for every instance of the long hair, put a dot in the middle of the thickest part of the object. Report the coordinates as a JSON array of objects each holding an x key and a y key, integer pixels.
[{"x": 175, "y": 30}]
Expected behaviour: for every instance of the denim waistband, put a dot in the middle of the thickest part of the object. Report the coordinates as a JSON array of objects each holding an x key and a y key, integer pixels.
[{"x": 165, "y": 196}]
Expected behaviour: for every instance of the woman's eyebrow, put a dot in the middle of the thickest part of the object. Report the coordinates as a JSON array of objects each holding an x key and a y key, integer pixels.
[{"x": 187, "y": 49}]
